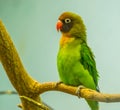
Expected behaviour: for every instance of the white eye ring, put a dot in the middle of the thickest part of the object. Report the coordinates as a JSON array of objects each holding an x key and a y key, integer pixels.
[{"x": 67, "y": 20}]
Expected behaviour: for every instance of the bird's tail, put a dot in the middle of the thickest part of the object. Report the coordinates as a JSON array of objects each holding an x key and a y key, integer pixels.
[{"x": 94, "y": 105}]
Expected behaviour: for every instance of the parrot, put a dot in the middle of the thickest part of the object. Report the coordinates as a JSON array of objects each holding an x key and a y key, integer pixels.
[{"x": 75, "y": 61}]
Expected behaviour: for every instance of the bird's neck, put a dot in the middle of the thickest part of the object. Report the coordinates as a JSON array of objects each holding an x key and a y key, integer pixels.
[
  {"x": 69, "y": 40},
  {"x": 65, "y": 40}
]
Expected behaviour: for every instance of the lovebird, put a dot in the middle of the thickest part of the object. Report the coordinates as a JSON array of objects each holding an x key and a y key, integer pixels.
[{"x": 75, "y": 60}]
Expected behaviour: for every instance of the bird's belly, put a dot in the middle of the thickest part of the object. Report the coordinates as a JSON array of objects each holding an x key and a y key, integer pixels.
[{"x": 69, "y": 67}]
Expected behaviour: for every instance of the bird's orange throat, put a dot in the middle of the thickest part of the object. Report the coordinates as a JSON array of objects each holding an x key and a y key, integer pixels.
[{"x": 65, "y": 39}]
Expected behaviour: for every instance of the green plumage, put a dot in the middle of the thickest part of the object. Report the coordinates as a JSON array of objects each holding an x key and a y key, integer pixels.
[
  {"x": 75, "y": 61},
  {"x": 87, "y": 60}
]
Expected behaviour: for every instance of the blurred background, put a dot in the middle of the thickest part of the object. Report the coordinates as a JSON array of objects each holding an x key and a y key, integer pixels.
[{"x": 31, "y": 24}]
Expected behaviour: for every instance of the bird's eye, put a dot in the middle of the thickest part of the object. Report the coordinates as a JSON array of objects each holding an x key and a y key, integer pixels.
[{"x": 67, "y": 20}]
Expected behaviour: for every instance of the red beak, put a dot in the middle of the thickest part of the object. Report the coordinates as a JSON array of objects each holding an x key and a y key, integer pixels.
[{"x": 59, "y": 25}]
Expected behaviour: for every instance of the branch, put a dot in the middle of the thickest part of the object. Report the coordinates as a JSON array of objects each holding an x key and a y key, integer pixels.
[
  {"x": 9, "y": 92},
  {"x": 22, "y": 82},
  {"x": 34, "y": 103},
  {"x": 84, "y": 92},
  {"x": 28, "y": 88}
]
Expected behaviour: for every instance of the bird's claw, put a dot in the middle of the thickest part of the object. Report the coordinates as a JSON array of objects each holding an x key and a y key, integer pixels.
[
  {"x": 57, "y": 83},
  {"x": 78, "y": 90}
]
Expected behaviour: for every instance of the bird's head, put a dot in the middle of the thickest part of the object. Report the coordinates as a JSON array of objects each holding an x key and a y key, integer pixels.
[{"x": 71, "y": 23}]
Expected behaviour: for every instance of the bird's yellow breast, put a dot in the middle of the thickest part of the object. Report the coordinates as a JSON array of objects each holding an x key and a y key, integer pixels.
[{"x": 66, "y": 39}]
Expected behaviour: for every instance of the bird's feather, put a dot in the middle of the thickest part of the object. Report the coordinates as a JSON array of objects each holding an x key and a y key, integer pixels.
[{"x": 87, "y": 59}]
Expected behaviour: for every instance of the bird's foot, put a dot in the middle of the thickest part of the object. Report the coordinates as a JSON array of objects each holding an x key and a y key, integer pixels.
[
  {"x": 78, "y": 90},
  {"x": 57, "y": 83}
]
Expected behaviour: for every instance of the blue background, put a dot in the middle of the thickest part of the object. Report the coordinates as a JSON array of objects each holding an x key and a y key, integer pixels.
[{"x": 31, "y": 24}]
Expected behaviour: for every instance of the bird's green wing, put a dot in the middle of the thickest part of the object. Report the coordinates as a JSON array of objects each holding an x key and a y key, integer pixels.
[{"x": 87, "y": 60}]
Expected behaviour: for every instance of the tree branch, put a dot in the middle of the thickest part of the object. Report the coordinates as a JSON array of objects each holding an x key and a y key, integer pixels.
[
  {"x": 28, "y": 88},
  {"x": 16, "y": 73},
  {"x": 9, "y": 92},
  {"x": 34, "y": 103},
  {"x": 84, "y": 92}
]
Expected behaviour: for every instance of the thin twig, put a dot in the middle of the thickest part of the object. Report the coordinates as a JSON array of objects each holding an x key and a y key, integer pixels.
[
  {"x": 9, "y": 92},
  {"x": 31, "y": 101}
]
